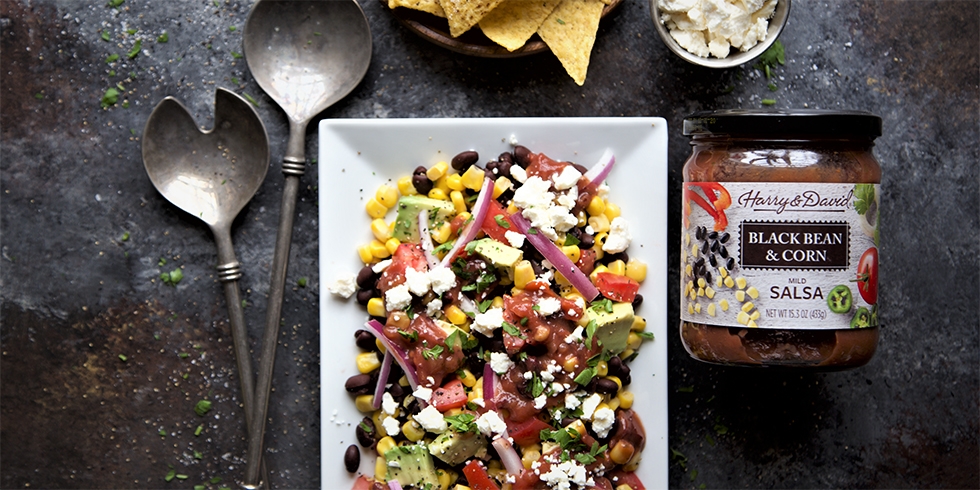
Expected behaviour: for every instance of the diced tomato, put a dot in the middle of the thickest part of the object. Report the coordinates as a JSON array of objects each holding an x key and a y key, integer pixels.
[
  {"x": 616, "y": 287},
  {"x": 457, "y": 223},
  {"x": 477, "y": 477},
  {"x": 586, "y": 261},
  {"x": 450, "y": 395},
  {"x": 496, "y": 224},
  {"x": 544, "y": 167},
  {"x": 407, "y": 256},
  {"x": 527, "y": 432}
]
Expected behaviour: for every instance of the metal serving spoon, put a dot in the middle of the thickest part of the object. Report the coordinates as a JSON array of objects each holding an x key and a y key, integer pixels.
[
  {"x": 212, "y": 175},
  {"x": 306, "y": 55}
]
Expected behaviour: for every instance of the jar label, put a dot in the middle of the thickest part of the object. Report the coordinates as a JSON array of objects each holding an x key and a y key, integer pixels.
[{"x": 780, "y": 255}]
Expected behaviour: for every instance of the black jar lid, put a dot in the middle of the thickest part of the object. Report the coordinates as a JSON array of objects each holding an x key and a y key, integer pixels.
[{"x": 797, "y": 122}]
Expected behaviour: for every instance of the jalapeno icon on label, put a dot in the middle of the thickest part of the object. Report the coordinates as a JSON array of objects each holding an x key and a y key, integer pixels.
[
  {"x": 862, "y": 318},
  {"x": 839, "y": 300}
]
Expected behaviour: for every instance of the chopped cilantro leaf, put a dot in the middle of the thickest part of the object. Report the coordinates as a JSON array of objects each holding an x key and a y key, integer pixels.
[
  {"x": 162, "y": 38},
  {"x": 501, "y": 221},
  {"x": 571, "y": 240},
  {"x": 585, "y": 376},
  {"x": 112, "y": 57},
  {"x": 409, "y": 336},
  {"x": 432, "y": 353},
  {"x": 485, "y": 305},
  {"x": 110, "y": 98},
  {"x": 136, "y": 49},
  {"x": 463, "y": 422},
  {"x": 202, "y": 407},
  {"x": 512, "y": 330}
]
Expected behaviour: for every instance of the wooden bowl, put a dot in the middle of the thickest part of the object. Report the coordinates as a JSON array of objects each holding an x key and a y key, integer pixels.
[{"x": 472, "y": 42}]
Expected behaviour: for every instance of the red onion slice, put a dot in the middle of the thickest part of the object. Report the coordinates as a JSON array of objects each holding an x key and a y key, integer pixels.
[
  {"x": 508, "y": 455},
  {"x": 490, "y": 383},
  {"x": 400, "y": 356},
  {"x": 550, "y": 251},
  {"x": 425, "y": 239},
  {"x": 480, "y": 209},
  {"x": 394, "y": 485},
  {"x": 600, "y": 170},
  {"x": 379, "y": 389}
]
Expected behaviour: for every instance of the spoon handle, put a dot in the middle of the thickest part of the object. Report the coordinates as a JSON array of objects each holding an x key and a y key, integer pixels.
[
  {"x": 229, "y": 271},
  {"x": 293, "y": 168}
]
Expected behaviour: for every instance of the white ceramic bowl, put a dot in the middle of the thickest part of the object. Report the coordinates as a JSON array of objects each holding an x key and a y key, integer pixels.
[{"x": 776, "y": 24}]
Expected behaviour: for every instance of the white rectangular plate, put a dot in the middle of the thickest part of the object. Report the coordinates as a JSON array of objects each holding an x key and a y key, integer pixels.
[{"x": 358, "y": 155}]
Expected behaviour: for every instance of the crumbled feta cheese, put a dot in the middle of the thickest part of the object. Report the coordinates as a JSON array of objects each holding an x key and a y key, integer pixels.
[
  {"x": 388, "y": 404},
  {"x": 391, "y": 426},
  {"x": 433, "y": 307},
  {"x": 562, "y": 475},
  {"x": 535, "y": 192},
  {"x": 619, "y": 236},
  {"x": 418, "y": 282},
  {"x": 602, "y": 421},
  {"x": 567, "y": 178},
  {"x": 344, "y": 286},
  {"x": 557, "y": 388},
  {"x": 423, "y": 393},
  {"x": 381, "y": 266},
  {"x": 713, "y": 27},
  {"x": 513, "y": 140},
  {"x": 500, "y": 362},
  {"x": 515, "y": 239},
  {"x": 547, "y": 376},
  {"x": 603, "y": 190},
  {"x": 488, "y": 321},
  {"x": 398, "y": 298},
  {"x": 539, "y": 401},
  {"x": 518, "y": 173},
  {"x": 575, "y": 336},
  {"x": 442, "y": 279},
  {"x": 478, "y": 402},
  {"x": 548, "y": 306},
  {"x": 590, "y": 404},
  {"x": 572, "y": 402},
  {"x": 490, "y": 423},
  {"x": 431, "y": 419}
]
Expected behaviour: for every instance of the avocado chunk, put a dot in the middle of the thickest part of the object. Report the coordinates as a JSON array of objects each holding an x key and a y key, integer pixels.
[
  {"x": 500, "y": 255},
  {"x": 612, "y": 328},
  {"x": 409, "y": 207},
  {"x": 454, "y": 448},
  {"x": 412, "y": 466}
]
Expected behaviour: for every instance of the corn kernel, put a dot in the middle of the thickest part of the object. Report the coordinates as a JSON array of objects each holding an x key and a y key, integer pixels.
[
  {"x": 364, "y": 253},
  {"x": 380, "y": 230},
  {"x": 529, "y": 457},
  {"x": 444, "y": 479},
  {"x": 617, "y": 267},
  {"x": 723, "y": 304},
  {"x": 466, "y": 377},
  {"x": 392, "y": 244},
  {"x": 719, "y": 282},
  {"x": 693, "y": 294},
  {"x": 751, "y": 324},
  {"x": 375, "y": 209},
  {"x": 752, "y": 292},
  {"x": 722, "y": 271},
  {"x": 497, "y": 302},
  {"x": 459, "y": 202},
  {"x": 436, "y": 172},
  {"x": 687, "y": 239},
  {"x": 455, "y": 315},
  {"x": 729, "y": 282},
  {"x": 694, "y": 250},
  {"x": 379, "y": 250},
  {"x": 367, "y": 362},
  {"x": 626, "y": 398},
  {"x": 364, "y": 403},
  {"x": 438, "y": 194},
  {"x": 599, "y": 223},
  {"x": 742, "y": 318},
  {"x": 639, "y": 324},
  {"x": 740, "y": 295},
  {"x": 700, "y": 291},
  {"x": 600, "y": 239},
  {"x": 754, "y": 315},
  {"x": 473, "y": 178},
  {"x": 442, "y": 232},
  {"x": 627, "y": 353},
  {"x": 598, "y": 270},
  {"x": 460, "y": 486},
  {"x": 575, "y": 296},
  {"x": 689, "y": 270},
  {"x": 501, "y": 185},
  {"x": 583, "y": 219},
  {"x": 376, "y": 307},
  {"x": 577, "y": 426},
  {"x": 512, "y": 208},
  {"x": 455, "y": 182},
  {"x": 442, "y": 184},
  {"x": 740, "y": 282},
  {"x": 386, "y": 444},
  {"x": 747, "y": 307},
  {"x": 613, "y": 404},
  {"x": 601, "y": 368},
  {"x": 711, "y": 309},
  {"x": 709, "y": 293},
  {"x": 701, "y": 282},
  {"x": 413, "y": 431},
  {"x": 572, "y": 252},
  {"x": 596, "y": 206},
  {"x": 381, "y": 469},
  {"x": 636, "y": 270},
  {"x": 405, "y": 186},
  {"x": 633, "y": 340},
  {"x": 570, "y": 364},
  {"x": 612, "y": 211},
  {"x": 697, "y": 307},
  {"x": 523, "y": 274},
  {"x": 386, "y": 195},
  {"x": 621, "y": 452}
]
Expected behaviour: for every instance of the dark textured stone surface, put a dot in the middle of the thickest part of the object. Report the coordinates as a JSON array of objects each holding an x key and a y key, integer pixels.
[{"x": 76, "y": 295}]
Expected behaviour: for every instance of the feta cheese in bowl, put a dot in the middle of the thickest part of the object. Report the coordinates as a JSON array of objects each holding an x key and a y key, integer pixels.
[{"x": 719, "y": 33}]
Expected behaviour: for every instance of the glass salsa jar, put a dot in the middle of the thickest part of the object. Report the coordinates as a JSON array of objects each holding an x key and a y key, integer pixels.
[{"x": 779, "y": 238}]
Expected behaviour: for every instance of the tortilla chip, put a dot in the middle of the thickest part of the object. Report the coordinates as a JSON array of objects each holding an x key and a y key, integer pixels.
[
  {"x": 464, "y": 14},
  {"x": 430, "y": 6},
  {"x": 513, "y": 22},
  {"x": 570, "y": 32}
]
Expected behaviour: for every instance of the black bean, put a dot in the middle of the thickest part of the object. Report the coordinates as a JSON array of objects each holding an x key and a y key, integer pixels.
[
  {"x": 714, "y": 246},
  {"x": 626, "y": 379},
  {"x": 586, "y": 241},
  {"x": 731, "y": 263},
  {"x": 463, "y": 160},
  {"x": 606, "y": 386},
  {"x": 712, "y": 235},
  {"x": 615, "y": 366},
  {"x": 637, "y": 301},
  {"x": 617, "y": 256},
  {"x": 713, "y": 260},
  {"x": 397, "y": 391},
  {"x": 366, "y": 277},
  {"x": 493, "y": 167},
  {"x": 365, "y": 432},
  {"x": 503, "y": 169},
  {"x": 624, "y": 374},
  {"x": 421, "y": 181},
  {"x": 364, "y": 295},
  {"x": 705, "y": 248},
  {"x": 581, "y": 168},
  {"x": 365, "y": 340},
  {"x": 707, "y": 276},
  {"x": 699, "y": 263},
  {"x": 723, "y": 252},
  {"x": 506, "y": 157},
  {"x": 724, "y": 237},
  {"x": 352, "y": 458},
  {"x": 522, "y": 156},
  {"x": 360, "y": 384},
  {"x": 699, "y": 232}
]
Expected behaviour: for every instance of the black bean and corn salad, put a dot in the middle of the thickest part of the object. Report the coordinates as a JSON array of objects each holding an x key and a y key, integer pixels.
[{"x": 503, "y": 319}]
